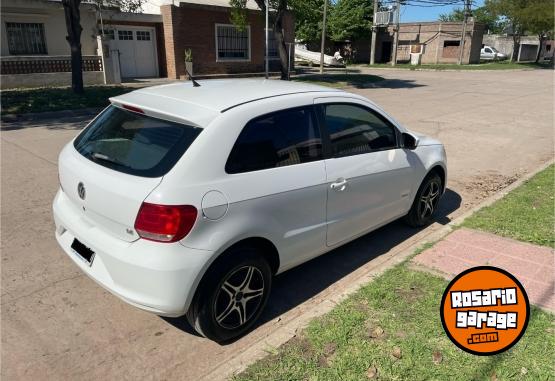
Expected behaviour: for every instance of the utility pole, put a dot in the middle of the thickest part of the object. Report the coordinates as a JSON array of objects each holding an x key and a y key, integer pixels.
[
  {"x": 374, "y": 35},
  {"x": 267, "y": 63},
  {"x": 396, "y": 38},
  {"x": 323, "y": 38},
  {"x": 463, "y": 35}
]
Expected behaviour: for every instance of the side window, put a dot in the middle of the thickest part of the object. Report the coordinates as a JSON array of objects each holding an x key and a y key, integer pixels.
[
  {"x": 354, "y": 130},
  {"x": 275, "y": 140}
]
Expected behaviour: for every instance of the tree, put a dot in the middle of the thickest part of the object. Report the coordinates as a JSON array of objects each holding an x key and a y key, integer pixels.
[
  {"x": 512, "y": 11},
  {"x": 350, "y": 20},
  {"x": 538, "y": 19},
  {"x": 74, "y": 29},
  {"x": 308, "y": 20},
  {"x": 73, "y": 25},
  {"x": 279, "y": 8},
  {"x": 493, "y": 23}
]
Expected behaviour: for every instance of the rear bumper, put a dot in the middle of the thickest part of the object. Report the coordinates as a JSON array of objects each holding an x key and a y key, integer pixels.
[{"x": 157, "y": 277}]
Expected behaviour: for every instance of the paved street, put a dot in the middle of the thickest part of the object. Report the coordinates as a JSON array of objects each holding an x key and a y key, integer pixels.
[{"x": 58, "y": 324}]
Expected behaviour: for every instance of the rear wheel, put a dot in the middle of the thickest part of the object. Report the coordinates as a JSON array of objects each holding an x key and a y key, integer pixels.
[
  {"x": 426, "y": 201},
  {"x": 232, "y": 295}
]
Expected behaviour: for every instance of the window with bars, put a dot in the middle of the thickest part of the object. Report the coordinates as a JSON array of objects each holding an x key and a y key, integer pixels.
[
  {"x": 232, "y": 44},
  {"x": 25, "y": 38},
  {"x": 272, "y": 45},
  {"x": 143, "y": 35},
  {"x": 125, "y": 34}
]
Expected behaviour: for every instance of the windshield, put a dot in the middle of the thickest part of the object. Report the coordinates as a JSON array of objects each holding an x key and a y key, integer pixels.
[
  {"x": 494, "y": 50},
  {"x": 133, "y": 143}
]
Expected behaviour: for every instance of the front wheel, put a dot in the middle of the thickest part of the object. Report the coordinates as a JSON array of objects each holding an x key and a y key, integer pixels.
[
  {"x": 426, "y": 201},
  {"x": 233, "y": 295}
]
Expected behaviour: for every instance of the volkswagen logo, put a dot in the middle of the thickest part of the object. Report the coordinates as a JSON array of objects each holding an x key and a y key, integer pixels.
[{"x": 81, "y": 191}]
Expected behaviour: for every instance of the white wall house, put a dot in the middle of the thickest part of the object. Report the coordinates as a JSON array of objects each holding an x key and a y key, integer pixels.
[{"x": 34, "y": 50}]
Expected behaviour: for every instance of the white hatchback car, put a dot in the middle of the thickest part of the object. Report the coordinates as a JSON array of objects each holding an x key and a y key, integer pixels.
[{"x": 188, "y": 200}]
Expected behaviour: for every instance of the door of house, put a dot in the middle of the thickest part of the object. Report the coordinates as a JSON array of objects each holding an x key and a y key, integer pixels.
[
  {"x": 386, "y": 52},
  {"x": 137, "y": 50}
]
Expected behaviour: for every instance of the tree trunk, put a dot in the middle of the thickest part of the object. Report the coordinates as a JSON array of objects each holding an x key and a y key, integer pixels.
[
  {"x": 516, "y": 43},
  {"x": 73, "y": 25},
  {"x": 541, "y": 39},
  {"x": 278, "y": 33},
  {"x": 280, "y": 41}
]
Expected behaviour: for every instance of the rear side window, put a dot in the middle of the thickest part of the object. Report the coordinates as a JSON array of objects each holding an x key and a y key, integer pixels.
[
  {"x": 355, "y": 130},
  {"x": 275, "y": 140},
  {"x": 133, "y": 143}
]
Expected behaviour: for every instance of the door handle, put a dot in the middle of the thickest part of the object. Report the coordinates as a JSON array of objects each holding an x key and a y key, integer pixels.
[{"x": 339, "y": 185}]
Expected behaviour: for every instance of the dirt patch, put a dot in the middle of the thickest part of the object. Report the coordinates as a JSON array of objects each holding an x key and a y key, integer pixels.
[
  {"x": 328, "y": 355},
  {"x": 410, "y": 294},
  {"x": 361, "y": 305},
  {"x": 301, "y": 345},
  {"x": 485, "y": 185},
  {"x": 374, "y": 331},
  {"x": 437, "y": 357}
]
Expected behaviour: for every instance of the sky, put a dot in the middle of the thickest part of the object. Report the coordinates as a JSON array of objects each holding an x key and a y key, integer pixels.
[
  {"x": 412, "y": 13},
  {"x": 408, "y": 13}
]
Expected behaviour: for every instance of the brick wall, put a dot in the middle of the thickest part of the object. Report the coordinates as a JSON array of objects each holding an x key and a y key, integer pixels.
[
  {"x": 192, "y": 26},
  {"x": 434, "y": 35}
]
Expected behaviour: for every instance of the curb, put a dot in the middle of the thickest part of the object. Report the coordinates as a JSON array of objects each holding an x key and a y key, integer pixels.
[
  {"x": 289, "y": 329},
  {"x": 35, "y": 116}
]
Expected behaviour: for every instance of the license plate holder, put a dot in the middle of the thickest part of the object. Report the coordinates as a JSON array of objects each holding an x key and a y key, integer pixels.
[{"x": 82, "y": 251}]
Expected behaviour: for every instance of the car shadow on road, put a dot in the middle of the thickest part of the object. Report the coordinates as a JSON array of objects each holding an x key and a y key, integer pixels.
[{"x": 301, "y": 283}]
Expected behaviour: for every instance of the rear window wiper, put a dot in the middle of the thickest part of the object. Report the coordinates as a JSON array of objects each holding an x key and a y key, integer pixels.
[{"x": 103, "y": 157}]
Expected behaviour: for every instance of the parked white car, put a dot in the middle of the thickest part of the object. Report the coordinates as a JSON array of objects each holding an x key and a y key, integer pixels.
[
  {"x": 188, "y": 200},
  {"x": 489, "y": 53}
]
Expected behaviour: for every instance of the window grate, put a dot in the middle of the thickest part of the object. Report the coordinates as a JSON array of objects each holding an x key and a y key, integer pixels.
[
  {"x": 26, "y": 38},
  {"x": 272, "y": 45},
  {"x": 232, "y": 43}
]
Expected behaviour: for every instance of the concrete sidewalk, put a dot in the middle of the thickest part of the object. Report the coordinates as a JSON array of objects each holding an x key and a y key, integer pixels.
[{"x": 532, "y": 265}]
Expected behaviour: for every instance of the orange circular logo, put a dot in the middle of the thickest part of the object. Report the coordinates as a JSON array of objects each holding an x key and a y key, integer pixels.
[{"x": 485, "y": 310}]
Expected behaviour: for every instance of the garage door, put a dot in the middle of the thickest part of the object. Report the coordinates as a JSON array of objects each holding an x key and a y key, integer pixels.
[{"x": 137, "y": 49}]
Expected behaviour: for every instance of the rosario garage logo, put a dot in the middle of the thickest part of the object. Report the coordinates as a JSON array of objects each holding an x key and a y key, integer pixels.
[{"x": 485, "y": 310}]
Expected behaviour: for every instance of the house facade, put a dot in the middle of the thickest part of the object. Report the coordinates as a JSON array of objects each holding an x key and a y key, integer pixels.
[
  {"x": 217, "y": 46},
  {"x": 527, "y": 50},
  {"x": 117, "y": 45},
  {"x": 436, "y": 42},
  {"x": 34, "y": 50}
]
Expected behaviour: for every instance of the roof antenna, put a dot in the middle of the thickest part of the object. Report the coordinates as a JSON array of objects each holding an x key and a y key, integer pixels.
[{"x": 195, "y": 83}]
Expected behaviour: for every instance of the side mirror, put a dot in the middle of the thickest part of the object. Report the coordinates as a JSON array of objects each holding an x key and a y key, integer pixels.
[{"x": 409, "y": 141}]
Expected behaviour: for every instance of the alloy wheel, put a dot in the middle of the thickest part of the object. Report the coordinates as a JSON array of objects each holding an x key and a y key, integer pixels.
[
  {"x": 239, "y": 297},
  {"x": 429, "y": 200}
]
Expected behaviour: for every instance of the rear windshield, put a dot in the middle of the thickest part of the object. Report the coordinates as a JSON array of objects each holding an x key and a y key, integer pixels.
[{"x": 133, "y": 143}]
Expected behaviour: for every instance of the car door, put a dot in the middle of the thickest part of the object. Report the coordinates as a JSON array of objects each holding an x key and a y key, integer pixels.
[
  {"x": 278, "y": 182},
  {"x": 368, "y": 174}
]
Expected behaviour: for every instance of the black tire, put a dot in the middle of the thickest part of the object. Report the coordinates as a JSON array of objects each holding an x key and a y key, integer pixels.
[
  {"x": 225, "y": 307},
  {"x": 426, "y": 201}
]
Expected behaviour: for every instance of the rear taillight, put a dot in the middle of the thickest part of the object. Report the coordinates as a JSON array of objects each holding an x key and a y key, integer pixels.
[{"x": 165, "y": 223}]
